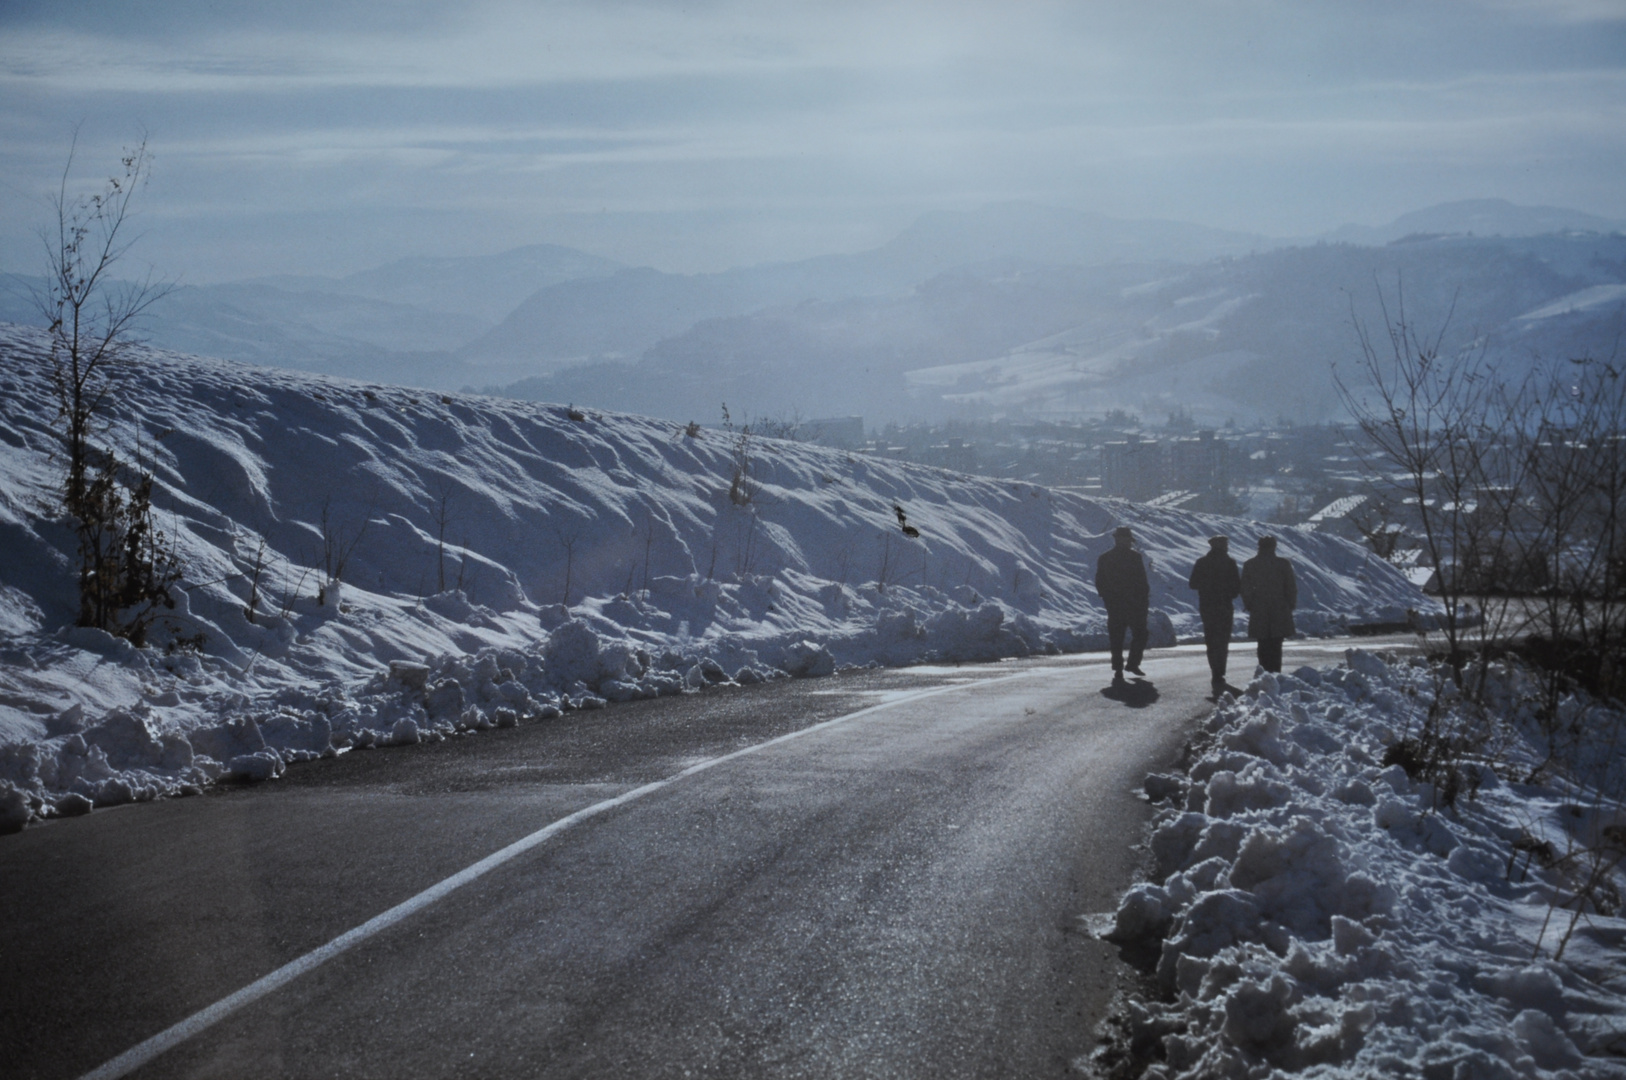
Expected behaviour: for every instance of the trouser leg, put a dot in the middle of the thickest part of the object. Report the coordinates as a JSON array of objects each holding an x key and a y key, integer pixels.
[
  {"x": 1270, "y": 654},
  {"x": 1116, "y": 627},
  {"x": 1137, "y": 645},
  {"x": 1217, "y": 640},
  {"x": 1219, "y": 647}
]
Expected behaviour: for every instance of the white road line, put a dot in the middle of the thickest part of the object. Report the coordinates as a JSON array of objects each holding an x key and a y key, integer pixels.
[{"x": 204, "y": 1019}]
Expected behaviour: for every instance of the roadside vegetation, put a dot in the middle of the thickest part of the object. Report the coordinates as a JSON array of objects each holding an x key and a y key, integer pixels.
[
  {"x": 1412, "y": 865},
  {"x": 127, "y": 566}
]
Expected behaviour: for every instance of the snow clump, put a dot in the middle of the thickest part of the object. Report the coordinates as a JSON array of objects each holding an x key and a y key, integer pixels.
[{"x": 1316, "y": 912}]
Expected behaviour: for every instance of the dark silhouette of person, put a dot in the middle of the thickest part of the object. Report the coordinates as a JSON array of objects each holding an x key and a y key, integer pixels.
[
  {"x": 1218, "y": 585},
  {"x": 1120, "y": 578},
  {"x": 1270, "y": 593}
]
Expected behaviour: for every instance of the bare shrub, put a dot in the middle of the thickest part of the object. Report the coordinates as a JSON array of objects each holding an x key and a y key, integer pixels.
[
  {"x": 567, "y": 540},
  {"x": 1571, "y": 535},
  {"x": 338, "y": 544},
  {"x": 126, "y": 565},
  {"x": 785, "y": 425},
  {"x": 883, "y": 573},
  {"x": 126, "y": 569},
  {"x": 256, "y": 571},
  {"x": 1518, "y": 494},
  {"x": 441, "y": 514},
  {"x": 741, "y": 488},
  {"x": 1421, "y": 413}
]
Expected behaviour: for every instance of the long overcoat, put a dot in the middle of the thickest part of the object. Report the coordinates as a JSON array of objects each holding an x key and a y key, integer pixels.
[
  {"x": 1120, "y": 578},
  {"x": 1215, "y": 579},
  {"x": 1270, "y": 593}
]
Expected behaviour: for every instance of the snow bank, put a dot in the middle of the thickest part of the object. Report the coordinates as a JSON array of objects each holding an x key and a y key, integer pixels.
[
  {"x": 1319, "y": 913},
  {"x": 372, "y": 565}
]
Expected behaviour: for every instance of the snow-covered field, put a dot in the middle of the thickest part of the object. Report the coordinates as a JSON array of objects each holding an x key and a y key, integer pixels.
[
  {"x": 505, "y": 560},
  {"x": 1320, "y": 914}
]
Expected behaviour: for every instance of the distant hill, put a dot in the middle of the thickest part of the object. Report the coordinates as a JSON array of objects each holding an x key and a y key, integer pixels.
[
  {"x": 1010, "y": 307},
  {"x": 622, "y": 315},
  {"x": 310, "y": 331},
  {"x": 398, "y": 322},
  {"x": 1250, "y": 337},
  {"x": 265, "y": 325},
  {"x": 1046, "y": 234},
  {"x": 484, "y": 287},
  {"x": 1477, "y": 217}
]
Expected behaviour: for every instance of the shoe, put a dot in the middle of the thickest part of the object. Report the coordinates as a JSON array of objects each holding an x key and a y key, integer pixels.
[
  {"x": 1134, "y": 669},
  {"x": 1118, "y": 679}
]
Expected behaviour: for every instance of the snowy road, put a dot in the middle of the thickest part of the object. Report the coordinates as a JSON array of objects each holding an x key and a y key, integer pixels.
[{"x": 891, "y": 895}]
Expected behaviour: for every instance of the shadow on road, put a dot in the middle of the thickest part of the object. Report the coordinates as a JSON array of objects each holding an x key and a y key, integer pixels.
[{"x": 1137, "y": 694}]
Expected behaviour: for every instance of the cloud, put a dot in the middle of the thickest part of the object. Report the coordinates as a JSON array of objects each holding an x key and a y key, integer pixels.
[
  {"x": 491, "y": 45},
  {"x": 1269, "y": 115}
]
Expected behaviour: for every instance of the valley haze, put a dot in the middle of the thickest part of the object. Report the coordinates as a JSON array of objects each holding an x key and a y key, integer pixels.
[{"x": 1014, "y": 309}]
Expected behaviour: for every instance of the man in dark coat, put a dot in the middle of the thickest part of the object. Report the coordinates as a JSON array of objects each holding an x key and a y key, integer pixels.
[
  {"x": 1270, "y": 593},
  {"x": 1120, "y": 578},
  {"x": 1218, "y": 585}
]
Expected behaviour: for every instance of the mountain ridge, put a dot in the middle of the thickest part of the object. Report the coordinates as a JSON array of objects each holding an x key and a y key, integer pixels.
[
  {"x": 1251, "y": 337},
  {"x": 1476, "y": 217}
]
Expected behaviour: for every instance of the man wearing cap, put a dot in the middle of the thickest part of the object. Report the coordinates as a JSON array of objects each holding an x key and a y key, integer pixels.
[
  {"x": 1270, "y": 593},
  {"x": 1120, "y": 578},
  {"x": 1217, "y": 583}
]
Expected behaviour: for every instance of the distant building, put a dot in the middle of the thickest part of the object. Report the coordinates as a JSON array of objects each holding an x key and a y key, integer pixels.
[
  {"x": 1201, "y": 464},
  {"x": 1133, "y": 468},
  {"x": 1190, "y": 469}
]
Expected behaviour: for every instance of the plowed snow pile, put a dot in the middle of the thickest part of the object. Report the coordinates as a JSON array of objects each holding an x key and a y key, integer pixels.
[
  {"x": 1321, "y": 914},
  {"x": 372, "y": 565}
]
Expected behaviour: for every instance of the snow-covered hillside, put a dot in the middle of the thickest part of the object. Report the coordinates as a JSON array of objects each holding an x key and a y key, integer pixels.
[{"x": 504, "y": 560}]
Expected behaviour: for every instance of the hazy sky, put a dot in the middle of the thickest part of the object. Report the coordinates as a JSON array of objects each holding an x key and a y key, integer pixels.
[{"x": 326, "y": 136}]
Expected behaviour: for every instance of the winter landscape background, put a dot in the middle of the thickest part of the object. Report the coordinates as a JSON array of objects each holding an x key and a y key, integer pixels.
[
  {"x": 509, "y": 361},
  {"x": 1011, "y": 310}
]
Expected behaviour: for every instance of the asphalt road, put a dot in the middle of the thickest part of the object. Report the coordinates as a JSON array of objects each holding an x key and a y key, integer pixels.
[{"x": 893, "y": 894}]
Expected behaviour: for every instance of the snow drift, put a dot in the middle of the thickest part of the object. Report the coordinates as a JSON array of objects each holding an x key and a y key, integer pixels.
[
  {"x": 370, "y": 564},
  {"x": 1319, "y": 913}
]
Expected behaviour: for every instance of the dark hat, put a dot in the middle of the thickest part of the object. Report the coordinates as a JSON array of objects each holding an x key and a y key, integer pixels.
[
  {"x": 1267, "y": 542},
  {"x": 1122, "y": 530},
  {"x": 1218, "y": 541}
]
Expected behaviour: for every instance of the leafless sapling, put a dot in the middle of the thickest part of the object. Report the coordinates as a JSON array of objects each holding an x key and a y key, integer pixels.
[
  {"x": 256, "y": 570},
  {"x": 338, "y": 545},
  {"x": 91, "y": 317},
  {"x": 567, "y": 540},
  {"x": 886, "y": 561},
  {"x": 125, "y": 570},
  {"x": 1419, "y": 411},
  {"x": 441, "y": 517},
  {"x": 741, "y": 488},
  {"x": 649, "y": 544}
]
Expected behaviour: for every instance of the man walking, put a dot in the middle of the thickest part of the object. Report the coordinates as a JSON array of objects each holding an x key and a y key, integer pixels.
[
  {"x": 1270, "y": 593},
  {"x": 1120, "y": 578},
  {"x": 1217, "y": 583}
]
